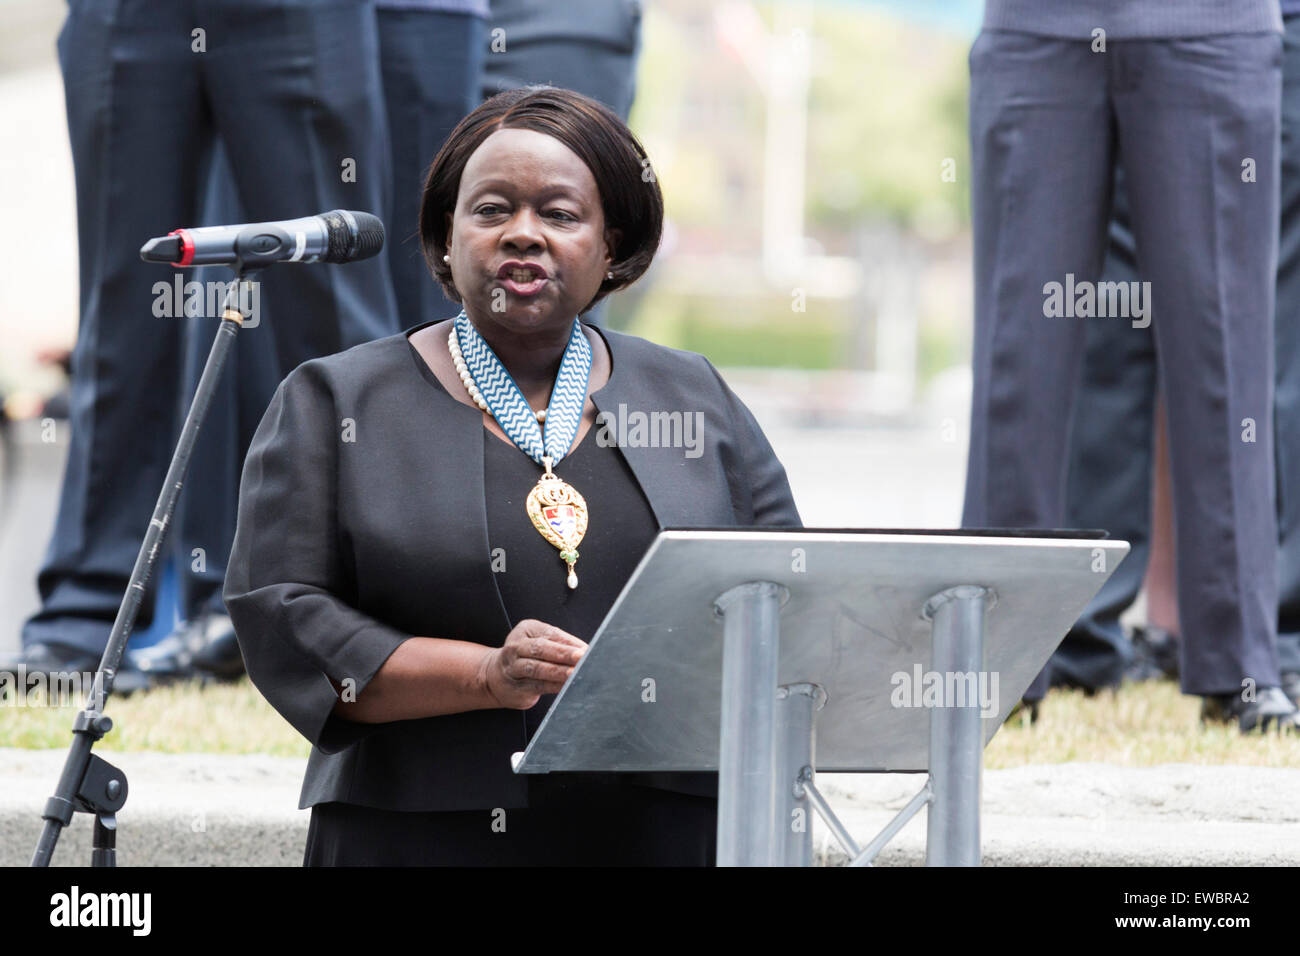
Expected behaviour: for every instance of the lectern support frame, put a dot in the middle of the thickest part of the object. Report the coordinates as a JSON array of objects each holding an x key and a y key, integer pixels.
[
  {"x": 956, "y": 734},
  {"x": 747, "y": 782},
  {"x": 825, "y": 654},
  {"x": 766, "y": 760}
]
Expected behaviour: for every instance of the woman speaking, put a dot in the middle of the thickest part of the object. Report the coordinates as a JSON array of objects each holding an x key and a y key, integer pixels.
[{"x": 432, "y": 525}]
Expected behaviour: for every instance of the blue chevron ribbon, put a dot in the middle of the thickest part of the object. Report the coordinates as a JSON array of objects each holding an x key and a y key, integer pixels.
[{"x": 507, "y": 404}]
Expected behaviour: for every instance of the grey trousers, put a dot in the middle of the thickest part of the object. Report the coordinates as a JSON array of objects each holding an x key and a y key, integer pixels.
[
  {"x": 1110, "y": 481},
  {"x": 1112, "y": 452},
  {"x": 1195, "y": 125}
]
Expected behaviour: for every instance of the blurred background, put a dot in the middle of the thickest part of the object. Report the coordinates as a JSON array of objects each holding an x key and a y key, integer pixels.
[{"x": 813, "y": 158}]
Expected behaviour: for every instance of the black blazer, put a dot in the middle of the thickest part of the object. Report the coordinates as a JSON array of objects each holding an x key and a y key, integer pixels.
[{"x": 362, "y": 522}]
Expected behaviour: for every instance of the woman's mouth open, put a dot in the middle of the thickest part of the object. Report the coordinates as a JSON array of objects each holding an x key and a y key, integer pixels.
[{"x": 522, "y": 279}]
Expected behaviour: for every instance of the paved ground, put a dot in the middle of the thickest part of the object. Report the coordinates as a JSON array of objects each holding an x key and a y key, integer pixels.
[
  {"x": 222, "y": 810},
  {"x": 194, "y": 809},
  {"x": 1100, "y": 815}
]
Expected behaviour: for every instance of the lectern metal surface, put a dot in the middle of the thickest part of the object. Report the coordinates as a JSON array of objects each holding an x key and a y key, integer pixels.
[{"x": 647, "y": 695}]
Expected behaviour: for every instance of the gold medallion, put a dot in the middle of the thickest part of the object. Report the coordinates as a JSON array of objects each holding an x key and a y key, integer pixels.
[{"x": 559, "y": 514}]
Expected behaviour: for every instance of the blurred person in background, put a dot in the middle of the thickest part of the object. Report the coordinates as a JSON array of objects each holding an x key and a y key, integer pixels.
[
  {"x": 201, "y": 641},
  {"x": 292, "y": 87},
  {"x": 1113, "y": 483},
  {"x": 1287, "y": 396},
  {"x": 430, "y": 58},
  {"x": 589, "y": 46},
  {"x": 1185, "y": 97}
]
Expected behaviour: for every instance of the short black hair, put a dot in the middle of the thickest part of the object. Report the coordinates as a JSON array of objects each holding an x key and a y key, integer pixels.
[{"x": 629, "y": 192}]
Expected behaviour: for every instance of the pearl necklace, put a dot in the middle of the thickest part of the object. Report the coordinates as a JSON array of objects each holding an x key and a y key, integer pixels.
[{"x": 462, "y": 370}]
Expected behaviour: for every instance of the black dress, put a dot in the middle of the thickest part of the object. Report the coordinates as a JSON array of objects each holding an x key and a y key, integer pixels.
[{"x": 571, "y": 819}]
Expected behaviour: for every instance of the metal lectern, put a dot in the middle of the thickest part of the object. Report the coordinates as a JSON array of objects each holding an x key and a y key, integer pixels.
[{"x": 770, "y": 655}]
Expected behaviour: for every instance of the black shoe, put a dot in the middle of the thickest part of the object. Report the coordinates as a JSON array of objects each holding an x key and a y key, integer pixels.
[
  {"x": 1023, "y": 706},
  {"x": 1291, "y": 686},
  {"x": 1269, "y": 710},
  {"x": 219, "y": 655},
  {"x": 1061, "y": 681},
  {"x": 1155, "y": 655},
  {"x": 48, "y": 659},
  {"x": 203, "y": 648}
]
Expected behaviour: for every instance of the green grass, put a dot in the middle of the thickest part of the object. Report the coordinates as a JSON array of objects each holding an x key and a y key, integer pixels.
[
  {"x": 1140, "y": 726},
  {"x": 185, "y": 718}
]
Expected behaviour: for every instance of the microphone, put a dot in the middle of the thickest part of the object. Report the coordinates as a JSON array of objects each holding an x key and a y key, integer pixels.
[{"x": 335, "y": 236}]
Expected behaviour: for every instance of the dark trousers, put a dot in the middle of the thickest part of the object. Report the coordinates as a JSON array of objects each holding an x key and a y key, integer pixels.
[
  {"x": 1110, "y": 468},
  {"x": 590, "y": 46},
  {"x": 636, "y": 826},
  {"x": 1286, "y": 403},
  {"x": 292, "y": 87},
  {"x": 204, "y": 527},
  {"x": 1111, "y": 440},
  {"x": 1049, "y": 119},
  {"x": 431, "y": 63}
]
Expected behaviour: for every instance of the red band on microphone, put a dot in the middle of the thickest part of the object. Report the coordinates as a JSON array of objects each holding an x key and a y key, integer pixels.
[{"x": 187, "y": 247}]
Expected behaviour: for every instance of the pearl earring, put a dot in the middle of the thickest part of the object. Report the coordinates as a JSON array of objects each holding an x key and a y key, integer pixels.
[
  {"x": 446, "y": 258},
  {"x": 609, "y": 275}
]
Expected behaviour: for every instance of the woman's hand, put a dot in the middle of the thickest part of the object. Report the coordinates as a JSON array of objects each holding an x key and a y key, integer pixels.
[{"x": 536, "y": 659}]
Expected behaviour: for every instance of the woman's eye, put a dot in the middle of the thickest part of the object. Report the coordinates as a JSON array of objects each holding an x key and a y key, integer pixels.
[
  {"x": 564, "y": 216},
  {"x": 487, "y": 209}
]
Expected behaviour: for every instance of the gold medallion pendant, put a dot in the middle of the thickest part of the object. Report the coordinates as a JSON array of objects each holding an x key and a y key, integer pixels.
[{"x": 559, "y": 514}]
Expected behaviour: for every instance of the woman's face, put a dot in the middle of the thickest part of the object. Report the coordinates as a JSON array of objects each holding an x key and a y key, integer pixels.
[{"x": 527, "y": 241}]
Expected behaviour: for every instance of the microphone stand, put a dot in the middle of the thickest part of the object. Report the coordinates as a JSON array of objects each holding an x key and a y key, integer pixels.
[{"x": 88, "y": 783}]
